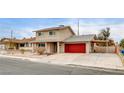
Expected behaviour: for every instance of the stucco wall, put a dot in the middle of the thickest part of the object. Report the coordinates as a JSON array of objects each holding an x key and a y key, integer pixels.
[
  {"x": 49, "y": 48},
  {"x": 2, "y": 46},
  {"x": 62, "y": 47},
  {"x": 65, "y": 34},
  {"x": 26, "y": 48},
  {"x": 103, "y": 49},
  {"x": 88, "y": 47}
]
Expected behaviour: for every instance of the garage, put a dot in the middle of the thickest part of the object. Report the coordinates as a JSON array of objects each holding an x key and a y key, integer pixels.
[
  {"x": 79, "y": 44},
  {"x": 75, "y": 48}
]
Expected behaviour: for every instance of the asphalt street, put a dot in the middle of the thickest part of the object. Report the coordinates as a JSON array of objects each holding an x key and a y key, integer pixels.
[{"x": 12, "y": 66}]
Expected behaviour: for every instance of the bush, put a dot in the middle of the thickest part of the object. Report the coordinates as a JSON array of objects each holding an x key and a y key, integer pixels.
[
  {"x": 40, "y": 51},
  {"x": 122, "y": 44},
  {"x": 22, "y": 51}
]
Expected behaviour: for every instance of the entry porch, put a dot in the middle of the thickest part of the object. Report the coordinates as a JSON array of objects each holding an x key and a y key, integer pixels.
[{"x": 50, "y": 47}]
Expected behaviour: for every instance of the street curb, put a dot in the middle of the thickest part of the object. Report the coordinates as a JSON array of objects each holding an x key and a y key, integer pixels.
[{"x": 100, "y": 68}]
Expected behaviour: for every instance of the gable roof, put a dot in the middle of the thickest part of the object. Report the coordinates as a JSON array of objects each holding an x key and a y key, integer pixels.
[
  {"x": 6, "y": 40},
  {"x": 24, "y": 40},
  {"x": 81, "y": 38},
  {"x": 55, "y": 28}
]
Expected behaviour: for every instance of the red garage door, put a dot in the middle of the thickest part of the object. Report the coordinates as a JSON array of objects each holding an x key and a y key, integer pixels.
[{"x": 75, "y": 48}]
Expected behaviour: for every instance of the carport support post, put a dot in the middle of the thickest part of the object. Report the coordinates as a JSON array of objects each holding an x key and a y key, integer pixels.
[
  {"x": 46, "y": 47},
  {"x": 106, "y": 46},
  {"x": 87, "y": 48},
  {"x": 58, "y": 47}
]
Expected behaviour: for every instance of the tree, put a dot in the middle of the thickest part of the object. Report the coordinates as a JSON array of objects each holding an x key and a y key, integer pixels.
[
  {"x": 104, "y": 34},
  {"x": 100, "y": 36},
  {"x": 122, "y": 43},
  {"x": 95, "y": 37}
]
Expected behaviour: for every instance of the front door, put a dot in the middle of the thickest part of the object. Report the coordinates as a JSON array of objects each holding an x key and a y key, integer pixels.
[{"x": 55, "y": 47}]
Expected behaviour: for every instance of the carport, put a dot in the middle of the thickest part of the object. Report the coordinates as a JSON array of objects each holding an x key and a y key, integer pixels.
[{"x": 104, "y": 49}]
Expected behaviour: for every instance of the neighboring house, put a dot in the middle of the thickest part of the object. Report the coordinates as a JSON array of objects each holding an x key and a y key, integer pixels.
[
  {"x": 62, "y": 39},
  {"x": 2, "y": 46},
  {"x": 26, "y": 43},
  {"x": 7, "y": 43},
  {"x": 17, "y": 44}
]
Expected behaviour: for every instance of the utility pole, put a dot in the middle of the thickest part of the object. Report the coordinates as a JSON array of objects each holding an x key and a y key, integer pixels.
[
  {"x": 11, "y": 34},
  {"x": 11, "y": 38},
  {"x": 78, "y": 26}
]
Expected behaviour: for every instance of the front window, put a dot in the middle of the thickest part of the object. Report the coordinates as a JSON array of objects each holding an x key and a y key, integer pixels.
[
  {"x": 22, "y": 45},
  {"x": 41, "y": 45}
]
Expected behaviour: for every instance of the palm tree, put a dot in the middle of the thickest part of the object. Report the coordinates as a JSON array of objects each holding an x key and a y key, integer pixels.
[{"x": 106, "y": 33}]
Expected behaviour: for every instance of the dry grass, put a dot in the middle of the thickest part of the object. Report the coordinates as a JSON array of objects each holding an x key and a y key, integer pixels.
[{"x": 40, "y": 50}]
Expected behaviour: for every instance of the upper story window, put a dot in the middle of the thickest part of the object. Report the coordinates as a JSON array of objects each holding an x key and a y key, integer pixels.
[
  {"x": 40, "y": 33},
  {"x": 52, "y": 33}
]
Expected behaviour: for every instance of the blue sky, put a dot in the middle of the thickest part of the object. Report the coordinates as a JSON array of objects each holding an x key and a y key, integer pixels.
[{"x": 23, "y": 27}]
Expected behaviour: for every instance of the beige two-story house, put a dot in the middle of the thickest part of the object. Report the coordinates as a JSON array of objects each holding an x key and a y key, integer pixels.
[{"x": 62, "y": 39}]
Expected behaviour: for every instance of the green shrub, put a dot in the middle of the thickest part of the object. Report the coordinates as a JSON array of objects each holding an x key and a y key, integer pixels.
[{"x": 122, "y": 44}]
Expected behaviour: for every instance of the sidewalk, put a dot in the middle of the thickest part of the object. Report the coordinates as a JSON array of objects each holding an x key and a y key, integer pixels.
[{"x": 111, "y": 61}]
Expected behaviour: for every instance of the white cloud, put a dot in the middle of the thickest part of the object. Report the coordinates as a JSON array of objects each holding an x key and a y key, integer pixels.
[{"x": 25, "y": 32}]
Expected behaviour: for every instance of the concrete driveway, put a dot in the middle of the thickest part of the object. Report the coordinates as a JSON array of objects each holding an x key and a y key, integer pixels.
[{"x": 105, "y": 60}]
